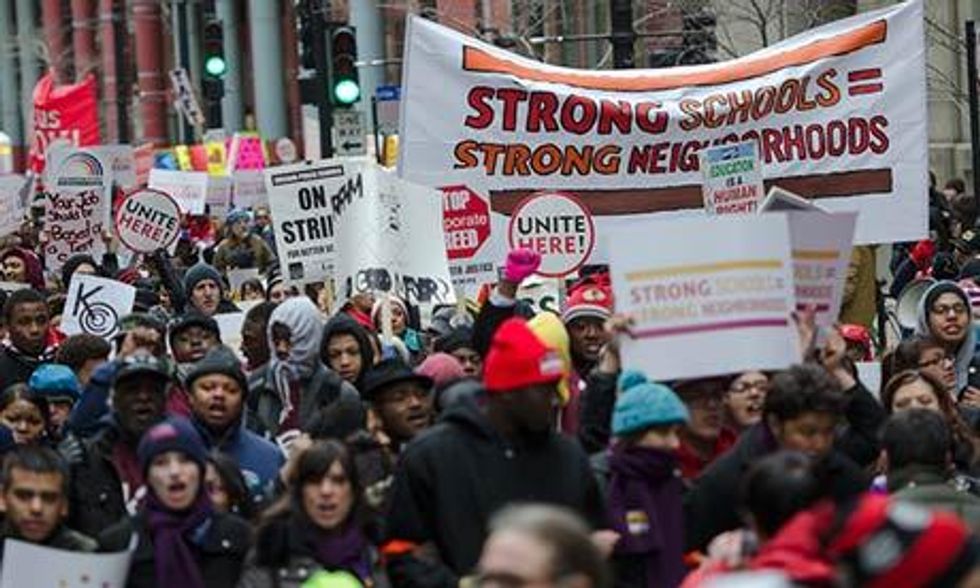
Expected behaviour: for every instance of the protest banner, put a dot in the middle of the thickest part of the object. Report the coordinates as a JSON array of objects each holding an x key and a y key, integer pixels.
[
  {"x": 188, "y": 188},
  {"x": 716, "y": 291},
  {"x": 303, "y": 200},
  {"x": 76, "y": 208},
  {"x": 29, "y": 564},
  {"x": 542, "y": 294},
  {"x": 732, "y": 180},
  {"x": 218, "y": 198},
  {"x": 821, "y": 250},
  {"x": 14, "y": 200},
  {"x": 556, "y": 225},
  {"x": 69, "y": 112},
  {"x": 248, "y": 188},
  {"x": 94, "y": 305},
  {"x": 390, "y": 241},
  {"x": 148, "y": 220},
  {"x": 836, "y": 113}
]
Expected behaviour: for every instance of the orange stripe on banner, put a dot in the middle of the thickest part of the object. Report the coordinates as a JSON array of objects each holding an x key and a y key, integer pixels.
[{"x": 479, "y": 61}]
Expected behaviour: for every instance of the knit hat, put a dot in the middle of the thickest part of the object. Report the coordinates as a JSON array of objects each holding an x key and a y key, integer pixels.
[
  {"x": 643, "y": 404},
  {"x": 142, "y": 363},
  {"x": 55, "y": 382},
  {"x": 172, "y": 434},
  {"x": 591, "y": 297},
  {"x": 518, "y": 359},
  {"x": 219, "y": 360},
  {"x": 884, "y": 543},
  {"x": 549, "y": 328},
  {"x": 192, "y": 318},
  {"x": 198, "y": 272},
  {"x": 235, "y": 216},
  {"x": 441, "y": 368},
  {"x": 389, "y": 372},
  {"x": 456, "y": 338}
]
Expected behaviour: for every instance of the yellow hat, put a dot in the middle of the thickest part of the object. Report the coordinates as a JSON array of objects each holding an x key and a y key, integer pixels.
[{"x": 549, "y": 328}]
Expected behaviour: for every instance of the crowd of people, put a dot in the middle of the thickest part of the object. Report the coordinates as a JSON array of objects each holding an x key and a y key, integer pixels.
[{"x": 352, "y": 443}]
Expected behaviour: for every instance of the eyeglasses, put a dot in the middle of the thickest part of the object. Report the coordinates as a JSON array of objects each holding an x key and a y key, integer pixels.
[
  {"x": 944, "y": 309},
  {"x": 936, "y": 361},
  {"x": 743, "y": 387}
]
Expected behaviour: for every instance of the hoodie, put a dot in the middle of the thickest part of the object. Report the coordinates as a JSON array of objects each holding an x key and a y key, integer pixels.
[
  {"x": 964, "y": 353},
  {"x": 33, "y": 271},
  {"x": 344, "y": 324}
]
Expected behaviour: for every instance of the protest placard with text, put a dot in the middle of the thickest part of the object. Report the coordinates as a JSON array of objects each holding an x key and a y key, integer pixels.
[
  {"x": 94, "y": 305},
  {"x": 188, "y": 188},
  {"x": 76, "y": 207}
]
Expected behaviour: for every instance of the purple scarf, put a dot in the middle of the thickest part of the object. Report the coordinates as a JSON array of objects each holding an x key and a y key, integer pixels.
[
  {"x": 173, "y": 558},
  {"x": 345, "y": 549},
  {"x": 646, "y": 510}
]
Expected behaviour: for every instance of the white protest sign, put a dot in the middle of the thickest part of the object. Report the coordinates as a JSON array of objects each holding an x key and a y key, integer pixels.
[
  {"x": 836, "y": 113},
  {"x": 230, "y": 328},
  {"x": 542, "y": 294},
  {"x": 29, "y": 564},
  {"x": 248, "y": 188},
  {"x": 556, "y": 225},
  {"x": 390, "y": 240},
  {"x": 779, "y": 200},
  {"x": 94, "y": 305},
  {"x": 218, "y": 196},
  {"x": 821, "y": 249},
  {"x": 188, "y": 188},
  {"x": 13, "y": 202},
  {"x": 732, "y": 179},
  {"x": 303, "y": 199},
  {"x": 709, "y": 296},
  {"x": 148, "y": 220},
  {"x": 76, "y": 208}
]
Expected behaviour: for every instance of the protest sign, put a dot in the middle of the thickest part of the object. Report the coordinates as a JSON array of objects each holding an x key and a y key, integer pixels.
[
  {"x": 836, "y": 113},
  {"x": 556, "y": 225},
  {"x": 13, "y": 202},
  {"x": 821, "y": 249},
  {"x": 183, "y": 154},
  {"x": 76, "y": 208},
  {"x": 94, "y": 305},
  {"x": 121, "y": 159},
  {"x": 67, "y": 112},
  {"x": 188, "y": 188},
  {"x": 248, "y": 188},
  {"x": 466, "y": 224},
  {"x": 303, "y": 199},
  {"x": 29, "y": 564},
  {"x": 779, "y": 200},
  {"x": 148, "y": 220},
  {"x": 717, "y": 292},
  {"x": 230, "y": 329},
  {"x": 542, "y": 294},
  {"x": 732, "y": 180},
  {"x": 218, "y": 196},
  {"x": 390, "y": 241}
]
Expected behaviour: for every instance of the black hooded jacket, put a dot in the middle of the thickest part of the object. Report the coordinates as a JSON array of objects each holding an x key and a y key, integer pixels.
[
  {"x": 343, "y": 324},
  {"x": 451, "y": 479}
]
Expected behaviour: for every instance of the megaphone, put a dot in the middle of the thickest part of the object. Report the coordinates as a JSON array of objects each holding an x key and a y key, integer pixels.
[{"x": 907, "y": 309}]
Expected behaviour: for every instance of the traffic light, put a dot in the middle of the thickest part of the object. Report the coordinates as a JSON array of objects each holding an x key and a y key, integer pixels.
[
  {"x": 343, "y": 82},
  {"x": 214, "y": 50}
]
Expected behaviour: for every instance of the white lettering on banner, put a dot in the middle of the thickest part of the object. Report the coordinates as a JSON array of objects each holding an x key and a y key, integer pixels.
[
  {"x": 835, "y": 113},
  {"x": 76, "y": 210}
]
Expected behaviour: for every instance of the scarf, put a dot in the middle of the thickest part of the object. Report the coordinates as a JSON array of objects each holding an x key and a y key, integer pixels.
[
  {"x": 344, "y": 549},
  {"x": 646, "y": 510},
  {"x": 173, "y": 557},
  {"x": 302, "y": 319}
]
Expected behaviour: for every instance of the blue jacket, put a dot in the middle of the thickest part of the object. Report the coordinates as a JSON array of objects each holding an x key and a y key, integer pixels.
[{"x": 259, "y": 459}]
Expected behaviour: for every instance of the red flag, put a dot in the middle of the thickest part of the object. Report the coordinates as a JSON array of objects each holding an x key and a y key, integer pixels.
[{"x": 70, "y": 112}]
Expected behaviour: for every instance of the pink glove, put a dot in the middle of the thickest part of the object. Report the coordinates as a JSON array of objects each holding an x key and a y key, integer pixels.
[{"x": 520, "y": 264}]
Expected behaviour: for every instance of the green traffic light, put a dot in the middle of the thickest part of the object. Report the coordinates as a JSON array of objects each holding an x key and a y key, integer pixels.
[
  {"x": 346, "y": 91},
  {"x": 215, "y": 65}
]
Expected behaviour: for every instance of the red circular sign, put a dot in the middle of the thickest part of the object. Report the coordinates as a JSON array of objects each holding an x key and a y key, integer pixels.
[
  {"x": 465, "y": 221},
  {"x": 557, "y": 225},
  {"x": 148, "y": 220}
]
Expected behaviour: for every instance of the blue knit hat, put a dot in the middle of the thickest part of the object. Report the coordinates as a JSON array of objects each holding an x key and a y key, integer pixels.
[
  {"x": 643, "y": 404},
  {"x": 172, "y": 434},
  {"x": 54, "y": 381}
]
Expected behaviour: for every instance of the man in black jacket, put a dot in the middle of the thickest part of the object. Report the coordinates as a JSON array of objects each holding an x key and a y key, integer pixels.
[
  {"x": 801, "y": 413},
  {"x": 479, "y": 458},
  {"x": 26, "y": 317}
]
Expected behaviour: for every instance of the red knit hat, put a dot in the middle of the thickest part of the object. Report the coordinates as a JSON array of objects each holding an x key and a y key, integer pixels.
[
  {"x": 887, "y": 543},
  {"x": 518, "y": 359},
  {"x": 591, "y": 297}
]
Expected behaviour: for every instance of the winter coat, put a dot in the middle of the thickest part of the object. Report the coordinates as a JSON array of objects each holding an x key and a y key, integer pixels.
[
  {"x": 16, "y": 368},
  {"x": 96, "y": 495},
  {"x": 344, "y": 324},
  {"x": 250, "y": 252},
  {"x": 320, "y": 391},
  {"x": 932, "y": 490},
  {"x": 258, "y": 459},
  {"x": 221, "y": 546},
  {"x": 596, "y": 410},
  {"x": 865, "y": 416},
  {"x": 711, "y": 505},
  {"x": 453, "y": 477}
]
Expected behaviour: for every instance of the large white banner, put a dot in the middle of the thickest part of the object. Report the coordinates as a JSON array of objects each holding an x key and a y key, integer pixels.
[
  {"x": 390, "y": 239},
  {"x": 714, "y": 292},
  {"x": 838, "y": 115}
]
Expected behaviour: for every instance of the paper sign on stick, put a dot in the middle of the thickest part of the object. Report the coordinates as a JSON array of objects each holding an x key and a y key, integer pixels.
[
  {"x": 732, "y": 179},
  {"x": 188, "y": 188},
  {"x": 29, "y": 564},
  {"x": 12, "y": 202},
  {"x": 821, "y": 246},
  {"x": 76, "y": 208},
  {"x": 148, "y": 220},
  {"x": 709, "y": 296},
  {"x": 248, "y": 188},
  {"x": 95, "y": 305}
]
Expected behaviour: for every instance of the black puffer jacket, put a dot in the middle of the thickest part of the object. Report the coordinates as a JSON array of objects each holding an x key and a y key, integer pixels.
[
  {"x": 96, "y": 498},
  {"x": 455, "y": 476}
]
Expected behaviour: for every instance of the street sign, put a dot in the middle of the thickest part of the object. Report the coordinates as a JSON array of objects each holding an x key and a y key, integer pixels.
[
  {"x": 185, "y": 100},
  {"x": 348, "y": 133},
  {"x": 388, "y": 93},
  {"x": 388, "y": 103}
]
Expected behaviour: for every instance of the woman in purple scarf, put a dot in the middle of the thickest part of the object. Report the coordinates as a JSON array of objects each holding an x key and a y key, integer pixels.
[
  {"x": 316, "y": 526},
  {"x": 180, "y": 540},
  {"x": 644, "y": 484}
]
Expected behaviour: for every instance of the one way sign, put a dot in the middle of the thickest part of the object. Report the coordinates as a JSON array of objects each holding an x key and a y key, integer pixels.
[{"x": 348, "y": 133}]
